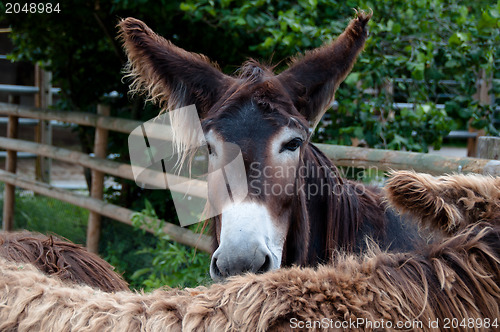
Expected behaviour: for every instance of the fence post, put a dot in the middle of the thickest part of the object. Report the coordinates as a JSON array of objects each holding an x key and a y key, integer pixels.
[
  {"x": 10, "y": 166},
  {"x": 483, "y": 96},
  {"x": 43, "y": 132},
  {"x": 488, "y": 147},
  {"x": 97, "y": 185}
]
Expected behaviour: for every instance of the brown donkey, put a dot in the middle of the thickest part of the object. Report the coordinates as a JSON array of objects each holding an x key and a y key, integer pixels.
[{"x": 298, "y": 209}]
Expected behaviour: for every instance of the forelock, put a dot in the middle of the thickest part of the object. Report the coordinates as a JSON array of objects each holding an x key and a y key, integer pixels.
[{"x": 254, "y": 71}]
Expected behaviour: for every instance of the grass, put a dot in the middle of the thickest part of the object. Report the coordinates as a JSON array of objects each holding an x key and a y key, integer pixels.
[{"x": 47, "y": 215}]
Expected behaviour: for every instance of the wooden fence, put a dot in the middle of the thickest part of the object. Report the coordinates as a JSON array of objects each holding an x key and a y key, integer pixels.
[
  {"x": 96, "y": 164},
  {"x": 341, "y": 155}
]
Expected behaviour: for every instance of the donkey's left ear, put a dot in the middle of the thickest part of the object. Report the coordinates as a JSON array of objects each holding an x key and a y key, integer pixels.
[
  {"x": 169, "y": 75},
  {"x": 313, "y": 79}
]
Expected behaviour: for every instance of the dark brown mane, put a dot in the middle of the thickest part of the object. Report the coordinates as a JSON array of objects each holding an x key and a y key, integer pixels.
[
  {"x": 258, "y": 83},
  {"x": 68, "y": 261},
  {"x": 336, "y": 220}
]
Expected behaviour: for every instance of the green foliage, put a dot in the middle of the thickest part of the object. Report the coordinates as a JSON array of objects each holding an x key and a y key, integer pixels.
[
  {"x": 278, "y": 28},
  {"x": 79, "y": 44},
  {"x": 120, "y": 244},
  {"x": 420, "y": 42},
  {"x": 380, "y": 127},
  {"x": 48, "y": 215},
  {"x": 173, "y": 264}
]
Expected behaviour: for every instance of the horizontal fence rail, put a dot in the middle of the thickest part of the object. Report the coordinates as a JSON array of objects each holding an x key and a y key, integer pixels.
[
  {"x": 110, "y": 167},
  {"x": 24, "y": 89},
  {"x": 119, "y": 125},
  {"x": 386, "y": 160},
  {"x": 185, "y": 236},
  {"x": 80, "y": 118}
]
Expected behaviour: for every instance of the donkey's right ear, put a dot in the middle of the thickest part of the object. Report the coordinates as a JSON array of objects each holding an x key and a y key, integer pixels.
[
  {"x": 313, "y": 79},
  {"x": 167, "y": 74}
]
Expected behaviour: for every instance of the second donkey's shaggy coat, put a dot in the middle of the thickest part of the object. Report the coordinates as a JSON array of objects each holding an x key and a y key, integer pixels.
[
  {"x": 68, "y": 261},
  {"x": 458, "y": 277}
]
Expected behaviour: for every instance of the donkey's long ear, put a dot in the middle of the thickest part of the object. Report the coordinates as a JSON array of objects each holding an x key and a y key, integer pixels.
[
  {"x": 169, "y": 75},
  {"x": 313, "y": 79}
]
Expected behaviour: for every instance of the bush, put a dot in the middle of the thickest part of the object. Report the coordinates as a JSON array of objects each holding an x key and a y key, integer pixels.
[{"x": 173, "y": 264}]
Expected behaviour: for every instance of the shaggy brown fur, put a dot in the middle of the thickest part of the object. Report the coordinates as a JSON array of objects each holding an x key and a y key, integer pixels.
[
  {"x": 69, "y": 262},
  {"x": 458, "y": 277},
  {"x": 446, "y": 203}
]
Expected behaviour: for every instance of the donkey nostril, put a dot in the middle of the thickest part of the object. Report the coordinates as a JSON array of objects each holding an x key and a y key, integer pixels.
[
  {"x": 214, "y": 270},
  {"x": 266, "y": 266}
]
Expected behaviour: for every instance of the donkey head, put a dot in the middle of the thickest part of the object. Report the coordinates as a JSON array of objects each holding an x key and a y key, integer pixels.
[{"x": 269, "y": 117}]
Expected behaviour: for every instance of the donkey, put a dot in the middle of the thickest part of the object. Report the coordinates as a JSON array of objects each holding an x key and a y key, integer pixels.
[{"x": 270, "y": 118}]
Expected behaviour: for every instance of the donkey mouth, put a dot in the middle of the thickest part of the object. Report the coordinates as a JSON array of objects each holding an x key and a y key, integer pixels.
[{"x": 225, "y": 263}]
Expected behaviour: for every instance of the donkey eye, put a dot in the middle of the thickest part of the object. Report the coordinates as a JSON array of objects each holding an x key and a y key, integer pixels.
[
  {"x": 209, "y": 147},
  {"x": 292, "y": 145}
]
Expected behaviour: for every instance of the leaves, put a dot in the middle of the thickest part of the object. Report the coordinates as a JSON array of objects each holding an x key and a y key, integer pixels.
[
  {"x": 173, "y": 264},
  {"x": 418, "y": 45},
  {"x": 279, "y": 29}
]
